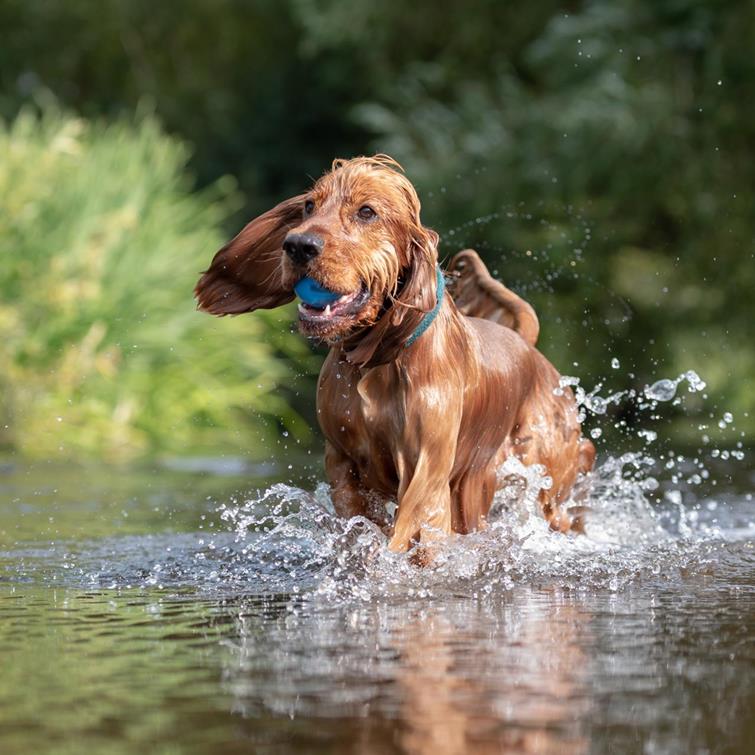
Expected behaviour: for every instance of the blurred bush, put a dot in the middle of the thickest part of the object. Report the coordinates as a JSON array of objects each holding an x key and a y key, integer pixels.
[
  {"x": 599, "y": 157},
  {"x": 597, "y": 153},
  {"x": 101, "y": 350},
  {"x": 229, "y": 76}
]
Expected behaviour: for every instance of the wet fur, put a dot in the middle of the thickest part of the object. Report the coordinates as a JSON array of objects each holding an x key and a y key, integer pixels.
[{"x": 429, "y": 425}]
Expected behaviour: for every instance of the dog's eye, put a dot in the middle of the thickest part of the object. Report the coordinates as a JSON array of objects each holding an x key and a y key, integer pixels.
[
  {"x": 366, "y": 212},
  {"x": 309, "y": 207}
]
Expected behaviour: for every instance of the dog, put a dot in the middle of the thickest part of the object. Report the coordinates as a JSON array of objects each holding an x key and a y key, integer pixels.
[{"x": 429, "y": 385}]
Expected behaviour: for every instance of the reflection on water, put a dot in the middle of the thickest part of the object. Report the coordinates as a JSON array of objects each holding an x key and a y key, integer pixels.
[
  {"x": 138, "y": 615},
  {"x": 533, "y": 671},
  {"x": 451, "y": 678}
]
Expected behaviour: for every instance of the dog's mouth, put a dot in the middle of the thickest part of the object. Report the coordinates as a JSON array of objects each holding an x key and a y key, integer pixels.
[{"x": 344, "y": 307}]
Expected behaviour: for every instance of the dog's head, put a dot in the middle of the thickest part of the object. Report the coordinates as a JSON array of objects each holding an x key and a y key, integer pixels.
[{"x": 356, "y": 233}]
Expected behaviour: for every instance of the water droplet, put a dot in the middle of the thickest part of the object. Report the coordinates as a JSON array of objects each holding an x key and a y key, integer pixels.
[
  {"x": 694, "y": 382},
  {"x": 661, "y": 390}
]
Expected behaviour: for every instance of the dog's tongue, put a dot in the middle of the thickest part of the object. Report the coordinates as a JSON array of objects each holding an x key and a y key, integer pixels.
[{"x": 312, "y": 293}]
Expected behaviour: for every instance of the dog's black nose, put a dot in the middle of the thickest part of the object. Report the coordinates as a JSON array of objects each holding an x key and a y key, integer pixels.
[{"x": 302, "y": 247}]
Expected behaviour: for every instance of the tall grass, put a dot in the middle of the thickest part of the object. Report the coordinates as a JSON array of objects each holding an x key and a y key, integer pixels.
[{"x": 102, "y": 353}]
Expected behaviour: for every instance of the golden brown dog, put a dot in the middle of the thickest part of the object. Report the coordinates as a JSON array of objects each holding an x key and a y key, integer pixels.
[{"x": 423, "y": 394}]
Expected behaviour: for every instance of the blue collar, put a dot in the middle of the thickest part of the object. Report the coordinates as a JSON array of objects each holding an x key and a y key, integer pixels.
[{"x": 427, "y": 320}]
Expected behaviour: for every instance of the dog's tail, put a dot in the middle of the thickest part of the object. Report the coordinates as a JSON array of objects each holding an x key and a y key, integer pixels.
[{"x": 477, "y": 293}]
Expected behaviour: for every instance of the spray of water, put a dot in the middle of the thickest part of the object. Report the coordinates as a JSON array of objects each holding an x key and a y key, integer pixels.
[
  {"x": 633, "y": 532},
  {"x": 653, "y": 513}
]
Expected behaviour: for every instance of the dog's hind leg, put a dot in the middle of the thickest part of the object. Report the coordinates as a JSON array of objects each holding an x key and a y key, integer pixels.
[
  {"x": 586, "y": 456},
  {"x": 472, "y": 498},
  {"x": 572, "y": 488},
  {"x": 582, "y": 486}
]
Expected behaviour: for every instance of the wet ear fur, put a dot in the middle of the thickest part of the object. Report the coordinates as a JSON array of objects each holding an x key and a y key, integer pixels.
[
  {"x": 418, "y": 293},
  {"x": 383, "y": 341},
  {"x": 245, "y": 274}
]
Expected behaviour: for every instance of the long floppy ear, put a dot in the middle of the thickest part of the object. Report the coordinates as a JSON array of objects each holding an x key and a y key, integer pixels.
[
  {"x": 418, "y": 293},
  {"x": 245, "y": 274},
  {"x": 417, "y": 296}
]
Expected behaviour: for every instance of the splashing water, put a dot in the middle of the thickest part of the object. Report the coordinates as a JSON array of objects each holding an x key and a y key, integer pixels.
[
  {"x": 299, "y": 544},
  {"x": 665, "y": 390},
  {"x": 291, "y": 539},
  {"x": 649, "y": 516}
]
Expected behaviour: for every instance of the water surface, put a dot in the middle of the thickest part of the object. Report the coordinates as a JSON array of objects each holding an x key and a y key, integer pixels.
[{"x": 211, "y": 608}]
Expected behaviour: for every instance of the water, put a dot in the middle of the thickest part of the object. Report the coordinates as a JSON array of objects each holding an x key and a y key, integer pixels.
[{"x": 210, "y": 608}]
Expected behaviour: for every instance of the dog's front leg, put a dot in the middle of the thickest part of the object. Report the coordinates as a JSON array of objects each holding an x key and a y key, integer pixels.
[
  {"x": 424, "y": 499},
  {"x": 424, "y": 457}
]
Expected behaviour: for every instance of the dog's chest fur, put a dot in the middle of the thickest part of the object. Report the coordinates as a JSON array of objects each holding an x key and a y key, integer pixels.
[{"x": 359, "y": 421}]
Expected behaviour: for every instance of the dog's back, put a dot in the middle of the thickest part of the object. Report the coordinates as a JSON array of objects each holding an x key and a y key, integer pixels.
[{"x": 519, "y": 403}]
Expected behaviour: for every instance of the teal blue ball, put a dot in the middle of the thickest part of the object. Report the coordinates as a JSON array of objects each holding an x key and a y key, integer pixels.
[{"x": 312, "y": 293}]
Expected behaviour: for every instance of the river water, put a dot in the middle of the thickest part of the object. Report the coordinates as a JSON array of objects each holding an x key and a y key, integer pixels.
[{"x": 210, "y": 607}]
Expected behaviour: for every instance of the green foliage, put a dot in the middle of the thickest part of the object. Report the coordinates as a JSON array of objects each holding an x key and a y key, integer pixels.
[
  {"x": 101, "y": 349},
  {"x": 598, "y": 155},
  {"x": 230, "y": 77},
  {"x": 600, "y": 162}
]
